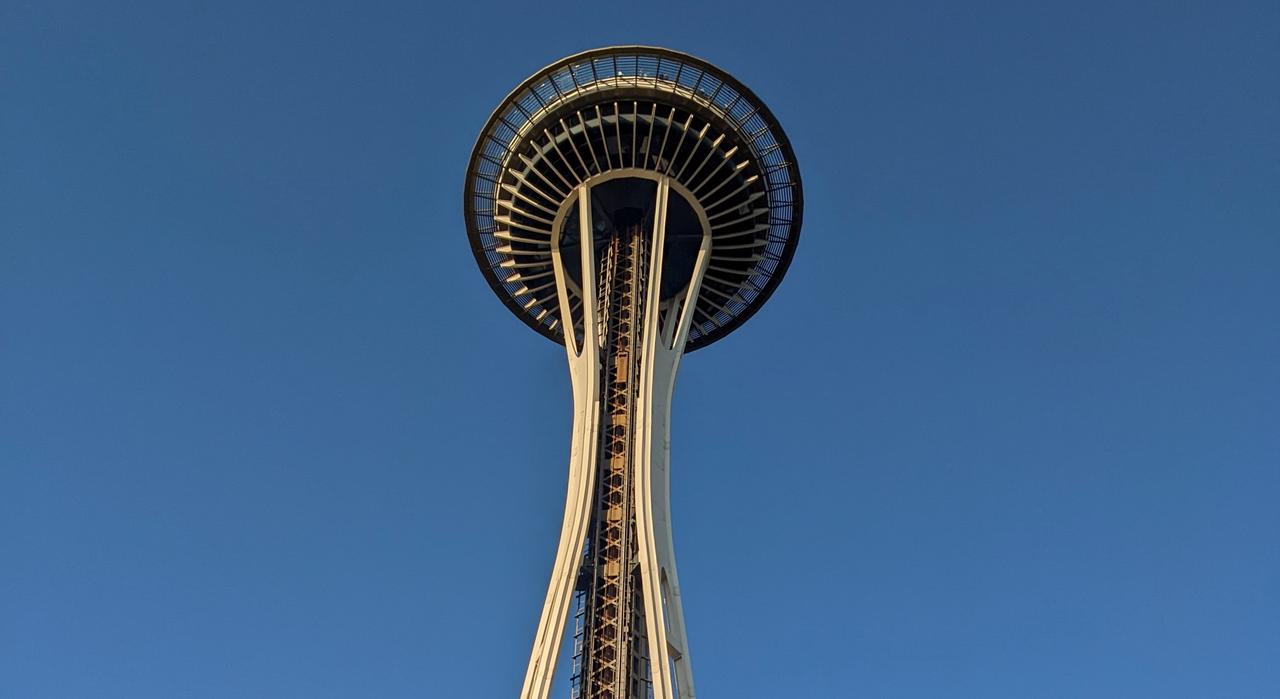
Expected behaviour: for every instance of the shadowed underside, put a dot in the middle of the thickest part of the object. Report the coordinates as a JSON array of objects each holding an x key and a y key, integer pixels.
[{"x": 634, "y": 107}]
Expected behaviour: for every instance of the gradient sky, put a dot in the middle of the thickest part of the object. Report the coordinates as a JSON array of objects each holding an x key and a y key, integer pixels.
[{"x": 1009, "y": 428}]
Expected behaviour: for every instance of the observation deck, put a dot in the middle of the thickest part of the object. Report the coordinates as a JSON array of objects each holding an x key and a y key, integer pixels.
[{"x": 634, "y": 112}]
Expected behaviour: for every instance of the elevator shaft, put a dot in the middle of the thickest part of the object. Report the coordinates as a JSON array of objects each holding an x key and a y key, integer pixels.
[{"x": 614, "y": 638}]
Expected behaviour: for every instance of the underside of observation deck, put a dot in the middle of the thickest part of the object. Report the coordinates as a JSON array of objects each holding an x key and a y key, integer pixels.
[{"x": 635, "y": 108}]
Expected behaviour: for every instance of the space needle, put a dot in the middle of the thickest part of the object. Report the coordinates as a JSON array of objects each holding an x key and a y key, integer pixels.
[{"x": 632, "y": 204}]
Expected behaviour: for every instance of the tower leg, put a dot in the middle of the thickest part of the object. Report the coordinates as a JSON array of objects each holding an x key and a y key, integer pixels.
[
  {"x": 584, "y": 371},
  {"x": 666, "y": 334}
]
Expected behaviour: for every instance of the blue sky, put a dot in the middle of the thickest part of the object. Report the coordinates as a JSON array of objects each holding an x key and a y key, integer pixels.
[{"x": 1009, "y": 428}]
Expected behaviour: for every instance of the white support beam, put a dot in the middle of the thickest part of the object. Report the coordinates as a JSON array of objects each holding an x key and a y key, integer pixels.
[{"x": 584, "y": 372}]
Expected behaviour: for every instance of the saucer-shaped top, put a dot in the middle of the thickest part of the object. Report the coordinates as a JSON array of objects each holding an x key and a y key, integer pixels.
[{"x": 634, "y": 108}]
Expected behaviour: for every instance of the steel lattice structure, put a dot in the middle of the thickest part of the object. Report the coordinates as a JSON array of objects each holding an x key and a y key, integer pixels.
[{"x": 633, "y": 204}]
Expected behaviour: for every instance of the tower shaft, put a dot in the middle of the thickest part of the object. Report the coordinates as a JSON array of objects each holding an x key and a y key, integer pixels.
[{"x": 615, "y": 565}]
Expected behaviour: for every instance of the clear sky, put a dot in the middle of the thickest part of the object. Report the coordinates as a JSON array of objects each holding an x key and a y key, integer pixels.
[{"x": 1009, "y": 428}]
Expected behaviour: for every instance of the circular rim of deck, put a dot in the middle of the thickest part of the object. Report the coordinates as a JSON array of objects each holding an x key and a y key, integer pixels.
[{"x": 773, "y": 131}]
